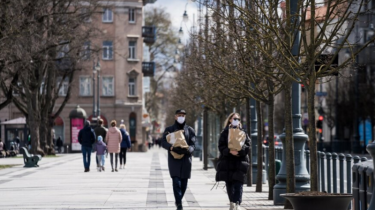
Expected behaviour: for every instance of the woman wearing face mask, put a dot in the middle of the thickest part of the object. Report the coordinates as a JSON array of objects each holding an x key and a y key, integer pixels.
[{"x": 233, "y": 165}]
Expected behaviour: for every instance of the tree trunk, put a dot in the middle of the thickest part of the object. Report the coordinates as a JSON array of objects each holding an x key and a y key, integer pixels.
[
  {"x": 259, "y": 148},
  {"x": 312, "y": 136},
  {"x": 271, "y": 151},
  {"x": 248, "y": 128},
  {"x": 34, "y": 122},
  {"x": 289, "y": 147}
]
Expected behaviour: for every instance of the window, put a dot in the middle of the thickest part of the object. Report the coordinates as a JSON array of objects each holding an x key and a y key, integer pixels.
[
  {"x": 85, "y": 86},
  {"x": 62, "y": 50},
  {"x": 85, "y": 14},
  {"x": 108, "y": 87},
  {"x": 107, "y": 15},
  {"x": 131, "y": 15},
  {"x": 86, "y": 51},
  {"x": 17, "y": 88},
  {"x": 63, "y": 90},
  {"x": 107, "y": 50},
  {"x": 132, "y": 87},
  {"x": 132, "y": 45}
]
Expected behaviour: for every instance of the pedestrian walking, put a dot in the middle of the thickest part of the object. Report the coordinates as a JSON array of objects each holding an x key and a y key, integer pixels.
[
  {"x": 101, "y": 147},
  {"x": 59, "y": 144},
  {"x": 232, "y": 165},
  {"x": 100, "y": 131},
  {"x": 2, "y": 150},
  {"x": 179, "y": 169},
  {"x": 125, "y": 145},
  {"x": 86, "y": 137},
  {"x": 113, "y": 139}
]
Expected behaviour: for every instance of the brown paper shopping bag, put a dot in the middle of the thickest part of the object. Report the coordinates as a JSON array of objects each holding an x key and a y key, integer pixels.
[
  {"x": 177, "y": 139},
  {"x": 236, "y": 139}
]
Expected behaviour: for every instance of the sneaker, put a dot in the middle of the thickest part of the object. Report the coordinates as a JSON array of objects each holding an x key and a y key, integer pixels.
[
  {"x": 238, "y": 207},
  {"x": 103, "y": 168},
  {"x": 113, "y": 170},
  {"x": 100, "y": 170},
  {"x": 232, "y": 205},
  {"x": 86, "y": 170},
  {"x": 116, "y": 170}
]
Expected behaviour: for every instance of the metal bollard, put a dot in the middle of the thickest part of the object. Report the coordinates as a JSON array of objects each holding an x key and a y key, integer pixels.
[
  {"x": 267, "y": 158},
  {"x": 362, "y": 186},
  {"x": 329, "y": 182},
  {"x": 363, "y": 159},
  {"x": 349, "y": 176},
  {"x": 341, "y": 162},
  {"x": 322, "y": 175},
  {"x": 319, "y": 163},
  {"x": 334, "y": 169},
  {"x": 369, "y": 183},
  {"x": 356, "y": 159},
  {"x": 356, "y": 180},
  {"x": 308, "y": 160}
]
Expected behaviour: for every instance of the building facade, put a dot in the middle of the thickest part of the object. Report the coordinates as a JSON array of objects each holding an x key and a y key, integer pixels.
[{"x": 114, "y": 90}]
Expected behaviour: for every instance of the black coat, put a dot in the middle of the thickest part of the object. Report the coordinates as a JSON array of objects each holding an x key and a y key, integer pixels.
[
  {"x": 230, "y": 167},
  {"x": 180, "y": 167},
  {"x": 100, "y": 131},
  {"x": 86, "y": 136}
]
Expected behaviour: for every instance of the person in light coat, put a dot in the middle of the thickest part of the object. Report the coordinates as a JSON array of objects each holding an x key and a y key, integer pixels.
[{"x": 113, "y": 140}]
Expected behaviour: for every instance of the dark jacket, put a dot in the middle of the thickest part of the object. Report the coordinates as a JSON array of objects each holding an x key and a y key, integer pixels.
[
  {"x": 86, "y": 136},
  {"x": 100, "y": 148},
  {"x": 180, "y": 167},
  {"x": 125, "y": 143},
  {"x": 230, "y": 167},
  {"x": 100, "y": 131}
]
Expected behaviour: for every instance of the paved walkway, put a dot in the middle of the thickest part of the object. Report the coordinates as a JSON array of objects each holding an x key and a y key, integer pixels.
[{"x": 60, "y": 183}]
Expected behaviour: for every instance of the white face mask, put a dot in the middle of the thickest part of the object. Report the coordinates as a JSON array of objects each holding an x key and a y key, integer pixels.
[
  {"x": 235, "y": 123},
  {"x": 180, "y": 120}
]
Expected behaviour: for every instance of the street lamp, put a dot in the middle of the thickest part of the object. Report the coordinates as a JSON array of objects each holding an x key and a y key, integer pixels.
[
  {"x": 95, "y": 106},
  {"x": 180, "y": 32},
  {"x": 93, "y": 93},
  {"x": 98, "y": 68},
  {"x": 185, "y": 17}
]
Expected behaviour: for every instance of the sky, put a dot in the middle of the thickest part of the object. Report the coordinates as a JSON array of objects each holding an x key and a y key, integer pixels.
[{"x": 176, "y": 9}]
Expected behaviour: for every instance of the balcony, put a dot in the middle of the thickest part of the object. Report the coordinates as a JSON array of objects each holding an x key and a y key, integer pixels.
[
  {"x": 148, "y": 69},
  {"x": 148, "y": 2},
  {"x": 149, "y": 34}
]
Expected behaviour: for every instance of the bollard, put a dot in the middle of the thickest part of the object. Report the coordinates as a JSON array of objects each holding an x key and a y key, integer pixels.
[
  {"x": 322, "y": 175},
  {"x": 341, "y": 162},
  {"x": 362, "y": 186},
  {"x": 278, "y": 166},
  {"x": 329, "y": 182},
  {"x": 371, "y": 150},
  {"x": 356, "y": 159},
  {"x": 307, "y": 152},
  {"x": 369, "y": 184},
  {"x": 356, "y": 180},
  {"x": 319, "y": 163},
  {"x": 267, "y": 158},
  {"x": 349, "y": 176},
  {"x": 363, "y": 159},
  {"x": 334, "y": 169}
]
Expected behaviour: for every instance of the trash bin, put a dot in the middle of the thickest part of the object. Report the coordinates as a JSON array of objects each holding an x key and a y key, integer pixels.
[
  {"x": 370, "y": 184},
  {"x": 355, "y": 187}
]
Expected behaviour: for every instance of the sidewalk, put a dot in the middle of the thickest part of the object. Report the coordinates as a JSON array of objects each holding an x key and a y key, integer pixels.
[{"x": 60, "y": 183}]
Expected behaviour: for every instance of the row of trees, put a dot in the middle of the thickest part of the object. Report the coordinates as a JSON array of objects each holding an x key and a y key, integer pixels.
[
  {"x": 43, "y": 43},
  {"x": 258, "y": 49}
]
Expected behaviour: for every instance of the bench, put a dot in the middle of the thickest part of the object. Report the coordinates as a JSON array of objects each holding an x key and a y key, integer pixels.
[{"x": 30, "y": 160}]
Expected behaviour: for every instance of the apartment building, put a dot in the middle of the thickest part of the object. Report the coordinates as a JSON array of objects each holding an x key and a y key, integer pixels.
[{"x": 113, "y": 91}]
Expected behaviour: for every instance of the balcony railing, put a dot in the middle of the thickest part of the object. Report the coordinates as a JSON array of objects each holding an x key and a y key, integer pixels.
[
  {"x": 148, "y": 69},
  {"x": 149, "y": 34},
  {"x": 148, "y": 2}
]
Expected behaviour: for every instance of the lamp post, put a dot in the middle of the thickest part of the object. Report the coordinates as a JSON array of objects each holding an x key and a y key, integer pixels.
[
  {"x": 93, "y": 94},
  {"x": 97, "y": 68}
]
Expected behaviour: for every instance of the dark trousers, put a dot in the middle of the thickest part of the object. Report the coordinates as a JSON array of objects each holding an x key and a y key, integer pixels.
[
  {"x": 86, "y": 152},
  {"x": 123, "y": 155},
  {"x": 116, "y": 159},
  {"x": 234, "y": 190},
  {"x": 179, "y": 188}
]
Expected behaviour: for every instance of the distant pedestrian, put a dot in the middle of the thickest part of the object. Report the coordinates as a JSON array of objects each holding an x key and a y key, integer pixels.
[
  {"x": 100, "y": 131},
  {"x": 233, "y": 165},
  {"x": 150, "y": 142},
  {"x": 2, "y": 150},
  {"x": 179, "y": 169},
  {"x": 100, "y": 152},
  {"x": 59, "y": 144},
  {"x": 125, "y": 145},
  {"x": 86, "y": 137},
  {"x": 113, "y": 140}
]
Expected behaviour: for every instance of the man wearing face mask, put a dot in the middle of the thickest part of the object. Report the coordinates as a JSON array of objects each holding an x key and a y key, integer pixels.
[{"x": 179, "y": 169}]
